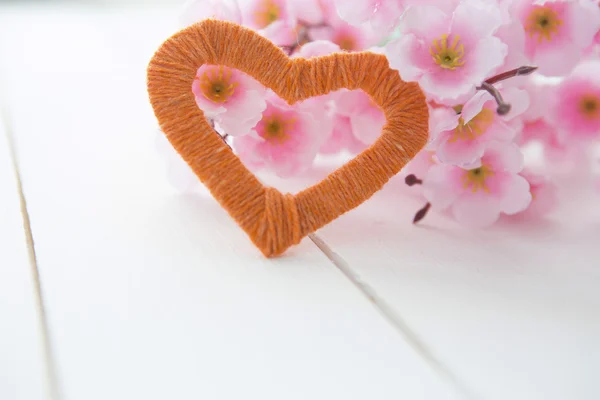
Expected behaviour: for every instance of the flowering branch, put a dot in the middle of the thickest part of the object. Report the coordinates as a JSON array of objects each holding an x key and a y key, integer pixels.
[
  {"x": 352, "y": 120},
  {"x": 521, "y": 71}
]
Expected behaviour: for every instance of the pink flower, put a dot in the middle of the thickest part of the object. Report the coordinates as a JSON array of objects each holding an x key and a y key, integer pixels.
[
  {"x": 478, "y": 194},
  {"x": 420, "y": 164},
  {"x": 512, "y": 34},
  {"x": 538, "y": 125},
  {"x": 347, "y": 37},
  {"x": 464, "y": 138},
  {"x": 576, "y": 106},
  {"x": 231, "y": 98},
  {"x": 448, "y": 54},
  {"x": 366, "y": 118},
  {"x": 286, "y": 140},
  {"x": 557, "y": 31},
  {"x": 544, "y": 194},
  {"x": 382, "y": 14},
  {"x": 198, "y": 10},
  {"x": 273, "y": 19},
  {"x": 338, "y": 31}
]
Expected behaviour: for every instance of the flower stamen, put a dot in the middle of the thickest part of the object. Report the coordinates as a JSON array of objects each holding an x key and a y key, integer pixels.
[
  {"x": 276, "y": 128},
  {"x": 448, "y": 57},
  {"x": 476, "y": 178},
  {"x": 476, "y": 127},
  {"x": 544, "y": 22},
  {"x": 267, "y": 13},
  {"x": 216, "y": 84},
  {"x": 589, "y": 106}
]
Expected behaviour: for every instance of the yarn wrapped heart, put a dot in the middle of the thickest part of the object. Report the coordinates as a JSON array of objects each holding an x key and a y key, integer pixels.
[{"x": 275, "y": 221}]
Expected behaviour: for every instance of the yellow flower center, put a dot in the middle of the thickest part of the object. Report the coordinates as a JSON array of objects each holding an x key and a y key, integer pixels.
[
  {"x": 216, "y": 84},
  {"x": 346, "y": 42},
  {"x": 542, "y": 22},
  {"x": 475, "y": 179},
  {"x": 448, "y": 56},
  {"x": 590, "y": 106},
  {"x": 276, "y": 128},
  {"x": 267, "y": 12},
  {"x": 474, "y": 128}
]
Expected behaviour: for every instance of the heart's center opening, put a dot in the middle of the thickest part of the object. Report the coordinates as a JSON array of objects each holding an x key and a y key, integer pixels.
[{"x": 288, "y": 146}]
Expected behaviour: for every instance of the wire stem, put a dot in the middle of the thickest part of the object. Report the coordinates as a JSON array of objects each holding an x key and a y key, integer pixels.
[{"x": 503, "y": 107}]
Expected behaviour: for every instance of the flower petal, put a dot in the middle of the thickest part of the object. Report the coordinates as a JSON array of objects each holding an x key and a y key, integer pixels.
[{"x": 516, "y": 195}]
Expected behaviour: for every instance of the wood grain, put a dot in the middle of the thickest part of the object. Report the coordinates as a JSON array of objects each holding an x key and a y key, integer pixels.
[{"x": 22, "y": 364}]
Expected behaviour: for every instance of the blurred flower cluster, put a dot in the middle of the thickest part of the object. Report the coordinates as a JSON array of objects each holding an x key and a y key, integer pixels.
[{"x": 499, "y": 75}]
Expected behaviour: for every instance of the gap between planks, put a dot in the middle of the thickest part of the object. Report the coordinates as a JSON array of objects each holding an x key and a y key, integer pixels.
[
  {"x": 395, "y": 319},
  {"x": 53, "y": 387}
]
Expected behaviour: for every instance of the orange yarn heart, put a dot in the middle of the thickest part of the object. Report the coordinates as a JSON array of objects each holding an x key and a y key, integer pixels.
[{"x": 276, "y": 221}]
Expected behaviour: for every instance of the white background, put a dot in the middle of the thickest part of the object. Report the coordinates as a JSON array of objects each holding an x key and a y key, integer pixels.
[{"x": 148, "y": 293}]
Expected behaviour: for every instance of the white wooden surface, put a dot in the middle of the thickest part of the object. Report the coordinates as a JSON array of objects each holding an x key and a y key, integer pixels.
[
  {"x": 154, "y": 295},
  {"x": 22, "y": 372},
  {"x": 513, "y": 311},
  {"x": 151, "y": 294}
]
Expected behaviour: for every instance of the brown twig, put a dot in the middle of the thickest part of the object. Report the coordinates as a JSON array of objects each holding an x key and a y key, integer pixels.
[
  {"x": 503, "y": 107},
  {"x": 488, "y": 86},
  {"x": 412, "y": 180},
  {"x": 421, "y": 213},
  {"x": 521, "y": 71}
]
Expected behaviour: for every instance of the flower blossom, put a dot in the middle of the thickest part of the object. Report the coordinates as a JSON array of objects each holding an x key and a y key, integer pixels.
[
  {"x": 479, "y": 193},
  {"x": 448, "y": 54},
  {"x": 338, "y": 31},
  {"x": 544, "y": 194},
  {"x": 576, "y": 106},
  {"x": 463, "y": 138},
  {"x": 273, "y": 19},
  {"x": 556, "y": 31},
  {"x": 230, "y": 97},
  {"x": 285, "y": 141},
  {"x": 538, "y": 125},
  {"x": 382, "y": 14}
]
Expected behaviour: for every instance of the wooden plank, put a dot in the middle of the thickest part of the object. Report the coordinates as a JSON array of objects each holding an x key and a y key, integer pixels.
[
  {"x": 22, "y": 373},
  {"x": 155, "y": 295},
  {"x": 513, "y": 311}
]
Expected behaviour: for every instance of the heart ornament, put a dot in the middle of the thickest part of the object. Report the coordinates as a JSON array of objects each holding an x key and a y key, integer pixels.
[{"x": 275, "y": 221}]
